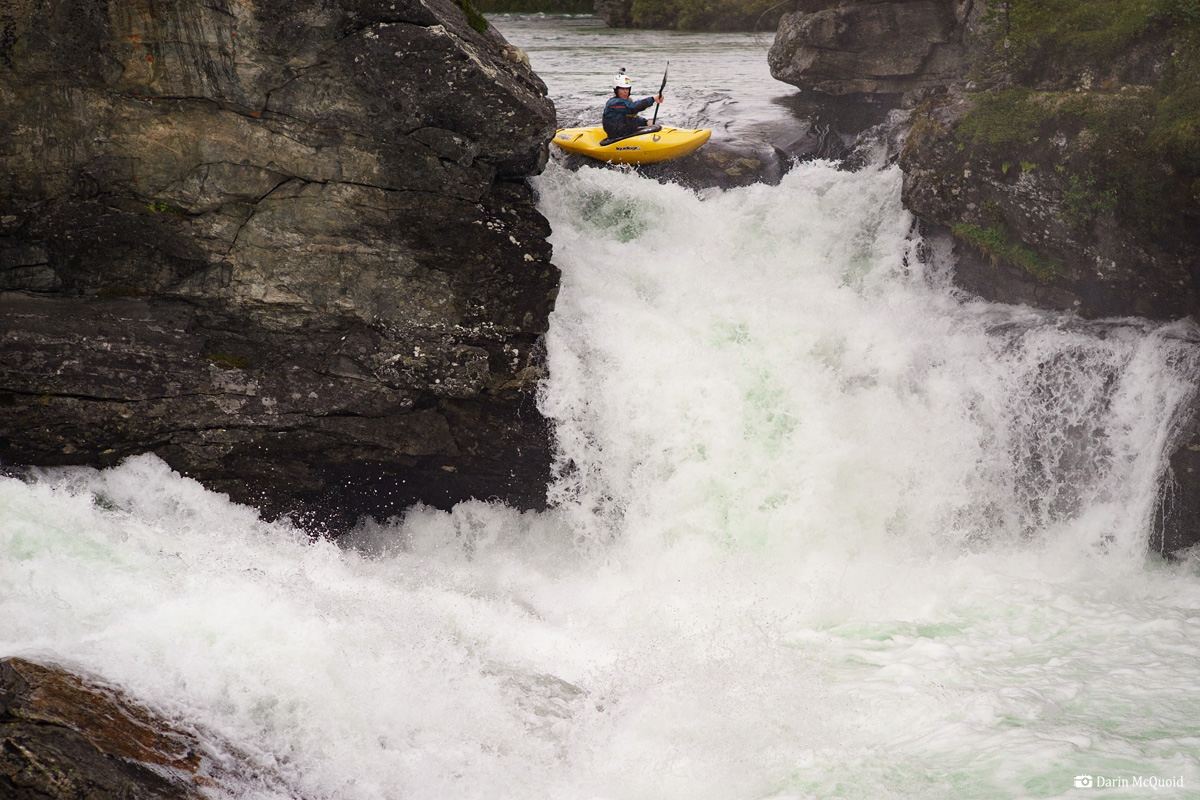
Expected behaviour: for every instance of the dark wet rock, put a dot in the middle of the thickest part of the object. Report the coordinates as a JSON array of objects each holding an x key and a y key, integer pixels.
[
  {"x": 287, "y": 247},
  {"x": 723, "y": 165},
  {"x": 849, "y": 129},
  {"x": 1177, "y": 518},
  {"x": 1030, "y": 193},
  {"x": 66, "y": 736}
]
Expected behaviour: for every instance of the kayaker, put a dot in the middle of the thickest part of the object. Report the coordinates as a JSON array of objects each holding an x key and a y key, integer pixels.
[{"x": 620, "y": 113}]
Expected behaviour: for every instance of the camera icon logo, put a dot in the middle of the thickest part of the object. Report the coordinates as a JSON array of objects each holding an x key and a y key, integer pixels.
[{"x": 1083, "y": 781}]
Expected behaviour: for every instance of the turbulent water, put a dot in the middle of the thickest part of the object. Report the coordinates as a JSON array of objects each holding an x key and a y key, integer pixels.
[{"x": 822, "y": 528}]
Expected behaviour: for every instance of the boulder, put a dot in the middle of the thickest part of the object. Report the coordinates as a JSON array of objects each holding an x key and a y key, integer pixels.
[
  {"x": 615, "y": 13},
  {"x": 878, "y": 48},
  {"x": 65, "y": 735},
  {"x": 287, "y": 246}
]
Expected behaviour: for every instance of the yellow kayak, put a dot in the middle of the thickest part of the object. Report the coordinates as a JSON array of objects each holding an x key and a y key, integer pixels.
[{"x": 658, "y": 143}]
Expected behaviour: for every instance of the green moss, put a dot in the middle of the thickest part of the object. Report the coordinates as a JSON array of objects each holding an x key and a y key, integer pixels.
[
  {"x": 228, "y": 360},
  {"x": 1083, "y": 200},
  {"x": 994, "y": 242},
  {"x": 923, "y": 131},
  {"x": 999, "y": 119},
  {"x": 161, "y": 207},
  {"x": 1176, "y": 128},
  {"x": 1024, "y": 33},
  {"x": 1134, "y": 151},
  {"x": 1185, "y": 13},
  {"x": 474, "y": 18}
]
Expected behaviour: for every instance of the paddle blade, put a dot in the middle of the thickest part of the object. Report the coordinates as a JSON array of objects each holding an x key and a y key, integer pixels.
[{"x": 660, "y": 91}]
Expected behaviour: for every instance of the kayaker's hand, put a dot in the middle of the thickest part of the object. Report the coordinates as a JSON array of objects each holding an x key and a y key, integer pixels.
[{"x": 658, "y": 98}]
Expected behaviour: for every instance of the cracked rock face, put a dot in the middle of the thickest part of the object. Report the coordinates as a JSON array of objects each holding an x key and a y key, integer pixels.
[{"x": 285, "y": 245}]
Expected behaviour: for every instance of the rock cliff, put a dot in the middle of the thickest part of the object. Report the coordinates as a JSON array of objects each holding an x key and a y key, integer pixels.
[
  {"x": 1054, "y": 142},
  {"x": 286, "y": 245},
  {"x": 1053, "y": 139},
  {"x": 1061, "y": 197},
  {"x": 1072, "y": 181}
]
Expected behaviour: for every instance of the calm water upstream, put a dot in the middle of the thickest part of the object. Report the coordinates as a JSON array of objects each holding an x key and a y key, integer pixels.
[
  {"x": 718, "y": 81},
  {"x": 823, "y": 528}
]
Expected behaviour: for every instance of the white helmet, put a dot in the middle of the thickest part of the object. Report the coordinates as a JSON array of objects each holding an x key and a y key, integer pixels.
[{"x": 622, "y": 81}]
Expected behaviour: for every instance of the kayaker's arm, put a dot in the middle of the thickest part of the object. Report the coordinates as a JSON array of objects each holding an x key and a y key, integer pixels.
[{"x": 645, "y": 102}]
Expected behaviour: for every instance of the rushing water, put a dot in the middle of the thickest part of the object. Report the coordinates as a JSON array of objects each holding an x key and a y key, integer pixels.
[{"x": 823, "y": 528}]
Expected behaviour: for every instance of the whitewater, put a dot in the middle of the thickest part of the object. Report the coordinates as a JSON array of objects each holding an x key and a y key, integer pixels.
[{"x": 822, "y": 526}]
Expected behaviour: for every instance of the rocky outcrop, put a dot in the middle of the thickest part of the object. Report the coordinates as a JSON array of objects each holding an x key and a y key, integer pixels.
[
  {"x": 1069, "y": 182},
  {"x": 878, "y": 48},
  {"x": 1051, "y": 173},
  {"x": 65, "y": 736},
  {"x": 615, "y": 13},
  {"x": 285, "y": 245},
  {"x": 1031, "y": 222},
  {"x": 1056, "y": 154},
  {"x": 1059, "y": 156}
]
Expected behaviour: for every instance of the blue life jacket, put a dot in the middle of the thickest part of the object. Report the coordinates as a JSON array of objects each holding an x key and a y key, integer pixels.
[{"x": 620, "y": 115}]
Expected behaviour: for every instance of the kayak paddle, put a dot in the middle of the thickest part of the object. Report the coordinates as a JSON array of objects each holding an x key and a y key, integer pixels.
[{"x": 660, "y": 91}]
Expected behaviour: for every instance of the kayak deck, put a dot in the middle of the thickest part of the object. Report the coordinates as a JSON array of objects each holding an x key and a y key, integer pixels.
[{"x": 662, "y": 144}]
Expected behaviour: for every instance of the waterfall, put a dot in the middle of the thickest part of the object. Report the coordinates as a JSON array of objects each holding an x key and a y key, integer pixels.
[{"x": 822, "y": 527}]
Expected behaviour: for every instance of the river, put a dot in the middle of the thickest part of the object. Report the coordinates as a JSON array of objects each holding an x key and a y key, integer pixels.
[{"x": 823, "y": 526}]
